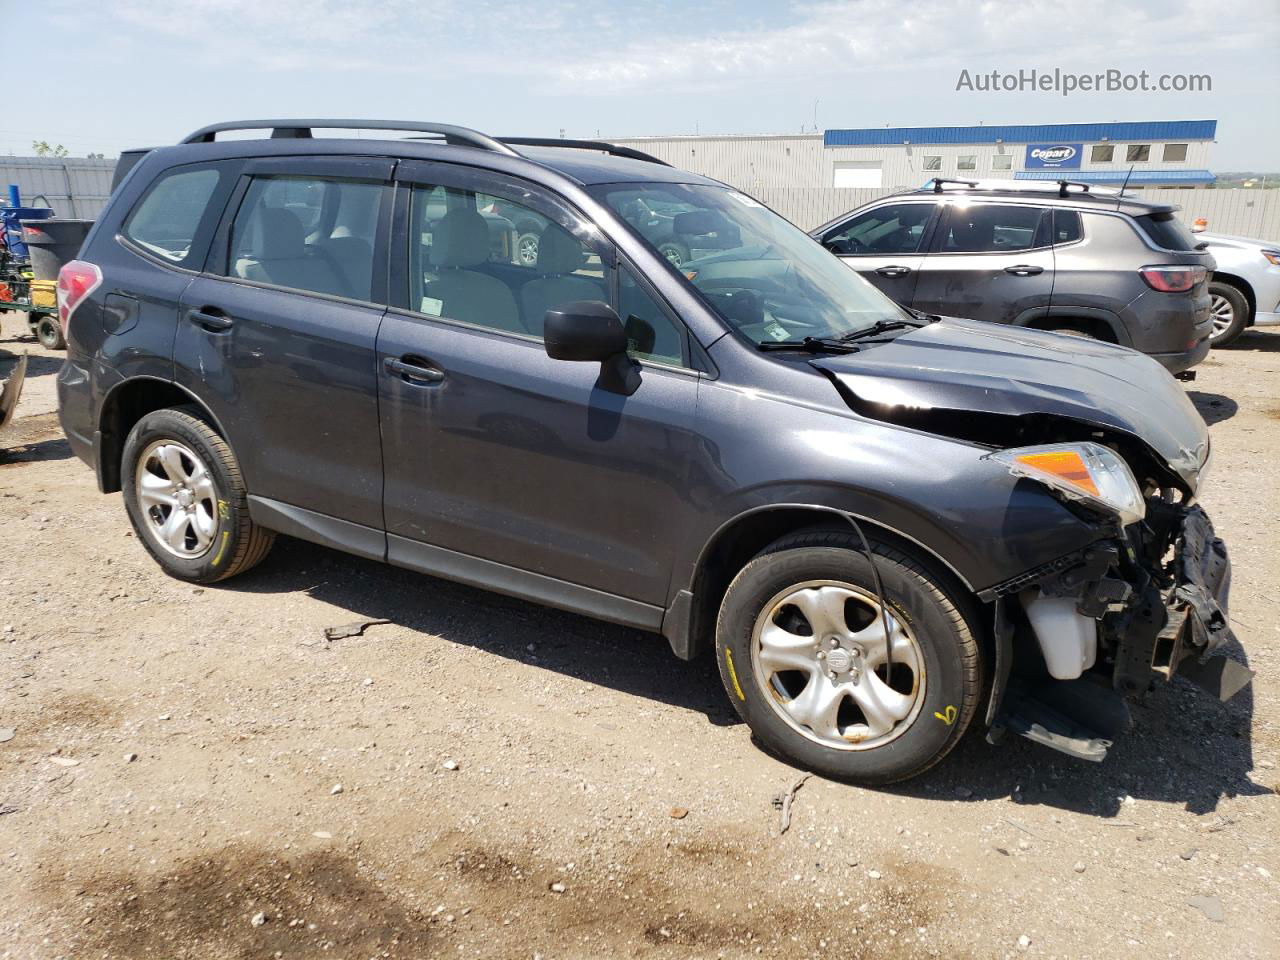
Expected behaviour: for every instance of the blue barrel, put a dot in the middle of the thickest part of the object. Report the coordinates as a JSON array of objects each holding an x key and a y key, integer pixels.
[{"x": 11, "y": 224}]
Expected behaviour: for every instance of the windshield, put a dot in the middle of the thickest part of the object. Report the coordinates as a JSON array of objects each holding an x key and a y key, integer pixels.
[{"x": 766, "y": 278}]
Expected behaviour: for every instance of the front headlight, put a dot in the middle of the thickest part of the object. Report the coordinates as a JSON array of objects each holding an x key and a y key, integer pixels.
[{"x": 1088, "y": 472}]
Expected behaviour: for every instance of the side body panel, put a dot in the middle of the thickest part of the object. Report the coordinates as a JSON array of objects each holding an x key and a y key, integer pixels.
[
  {"x": 896, "y": 274},
  {"x": 292, "y": 384},
  {"x": 1101, "y": 272},
  {"x": 998, "y": 287},
  {"x": 981, "y": 522}
]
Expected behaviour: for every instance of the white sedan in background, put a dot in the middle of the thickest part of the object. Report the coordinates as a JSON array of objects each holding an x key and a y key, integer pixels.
[{"x": 1245, "y": 287}]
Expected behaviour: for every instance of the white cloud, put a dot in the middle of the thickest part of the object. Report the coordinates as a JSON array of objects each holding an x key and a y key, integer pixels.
[
  {"x": 573, "y": 47},
  {"x": 843, "y": 38}
]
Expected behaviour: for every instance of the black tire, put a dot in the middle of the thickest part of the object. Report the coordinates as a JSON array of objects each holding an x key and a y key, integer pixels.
[
  {"x": 1073, "y": 328},
  {"x": 527, "y": 243},
  {"x": 237, "y": 542},
  {"x": 938, "y": 615},
  {"x": 49, "y": 333},
  {"x": 675, "y": 252},
  {"x": 1228, "y": 297}
]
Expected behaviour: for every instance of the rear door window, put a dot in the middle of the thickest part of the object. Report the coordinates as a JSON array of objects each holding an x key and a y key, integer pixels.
[
  {"x": 1166, "y": 231},
  {"x": 316, "y": 234},
  {"x": 166, "y": 221},
  {"x": 994, "y": 228},
  {"x": 1066, "y": 227}
]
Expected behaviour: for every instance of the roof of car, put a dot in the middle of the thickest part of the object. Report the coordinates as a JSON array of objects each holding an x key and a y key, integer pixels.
[
  {"x": 591, "y": 167},
  {"x": 1049, "y": 193},
  {"x": 586, "y": 162}
]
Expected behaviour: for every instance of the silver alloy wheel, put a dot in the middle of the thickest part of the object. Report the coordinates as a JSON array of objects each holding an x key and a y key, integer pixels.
[
  {"x": 673, "y": 255},
  {"x": 1223, "y": 315},
  {"x": 527, "y": 249},
  {"x": 824, "y": 676},
  {"x": 177, "y": 499}
]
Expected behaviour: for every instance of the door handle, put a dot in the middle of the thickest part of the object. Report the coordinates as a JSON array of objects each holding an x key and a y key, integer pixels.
[
  {"x": 413, "y": 371},
  {"x": 1024, "y": 270},
  {"x": 893, "y": 271},
  {"x": 209, "y": 320}
]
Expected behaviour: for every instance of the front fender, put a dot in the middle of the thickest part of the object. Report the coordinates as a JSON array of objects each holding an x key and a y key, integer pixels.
[{"x": 984, "y": 533}]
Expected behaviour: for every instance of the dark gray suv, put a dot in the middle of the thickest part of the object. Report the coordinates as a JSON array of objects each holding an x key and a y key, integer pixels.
[
  {"x": 884, "y": 524},
  {"x": 1051, "y": 256}
]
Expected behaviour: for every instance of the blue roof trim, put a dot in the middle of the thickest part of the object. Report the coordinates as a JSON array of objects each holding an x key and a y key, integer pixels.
[
  {"x": 1025, "y": 133},
  {"x": 1117, "y": 176}
]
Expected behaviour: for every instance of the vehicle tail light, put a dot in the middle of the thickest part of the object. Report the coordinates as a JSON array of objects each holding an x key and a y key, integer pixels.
[
  {"x": 76, "y": 280},
  {"x": 1272, "y": 257},
  {"x": 1173, "y": 277}
]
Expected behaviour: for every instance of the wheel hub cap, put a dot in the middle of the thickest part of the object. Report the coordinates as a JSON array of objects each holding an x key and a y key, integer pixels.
[
  {"x": 1222, "y": 313},
  {"x": 820, "y": 653},
  {"x": 177, "y": 499},
  {"x": 839, "y": 660}
]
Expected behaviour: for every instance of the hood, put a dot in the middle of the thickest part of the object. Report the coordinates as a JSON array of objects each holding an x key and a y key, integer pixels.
[
  {"x": 970, "y": 366},
  {"x": 1242, "y": 243}
]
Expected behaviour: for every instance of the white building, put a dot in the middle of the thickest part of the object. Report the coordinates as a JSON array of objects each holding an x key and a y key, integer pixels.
[{"x": 1161, "y": 154}]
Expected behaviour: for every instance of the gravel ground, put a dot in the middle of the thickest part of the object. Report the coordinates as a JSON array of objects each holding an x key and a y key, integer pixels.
[{"x": 198, "y": 773}]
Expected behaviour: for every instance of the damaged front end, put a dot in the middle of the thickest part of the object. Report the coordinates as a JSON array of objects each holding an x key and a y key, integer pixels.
[
  {"x": 1117, "y": 441},
  {"x": 1108, "y": 623}
]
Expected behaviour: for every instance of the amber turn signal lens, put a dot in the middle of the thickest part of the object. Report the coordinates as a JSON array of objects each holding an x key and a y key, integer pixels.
[{"x": 1066, "y": 465}]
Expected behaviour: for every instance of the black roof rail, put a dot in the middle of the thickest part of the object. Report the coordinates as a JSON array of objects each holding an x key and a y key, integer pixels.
[
  {"x": 939, "y": 181},
  {"x": 1063, "y": 184},
  {"x": 301, "y": 129},
  {"x": 600, "y": 145}
]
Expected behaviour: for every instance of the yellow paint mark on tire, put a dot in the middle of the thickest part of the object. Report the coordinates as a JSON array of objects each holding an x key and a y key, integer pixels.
[
  {"x": 947, "y": 716},
  {"x": 226, "y": 535},
  {"x": 733, "y": 674}
]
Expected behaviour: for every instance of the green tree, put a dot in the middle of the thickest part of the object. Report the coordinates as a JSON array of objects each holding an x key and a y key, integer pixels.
[{"x": 44, "y": 149}]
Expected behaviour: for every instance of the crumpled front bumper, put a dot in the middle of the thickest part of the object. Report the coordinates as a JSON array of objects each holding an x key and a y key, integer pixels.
[{"x": 1199, "y": 622}]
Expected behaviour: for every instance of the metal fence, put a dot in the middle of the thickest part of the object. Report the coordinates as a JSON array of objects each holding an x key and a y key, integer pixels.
[
  {"x": 1239, "y": 212},
  {"x": 79, "y": 188},
  {"x": 75, "y": 188}
]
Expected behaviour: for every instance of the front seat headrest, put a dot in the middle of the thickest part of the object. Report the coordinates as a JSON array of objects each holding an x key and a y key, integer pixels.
[
  {"x": 558, "y": 251},
  {"x": 280, "y": 235},
  {"x": 460, "y": 239}
]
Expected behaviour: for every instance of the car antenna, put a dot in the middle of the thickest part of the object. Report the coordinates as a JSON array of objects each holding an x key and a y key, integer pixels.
[{"x": 1123, "y": 185}]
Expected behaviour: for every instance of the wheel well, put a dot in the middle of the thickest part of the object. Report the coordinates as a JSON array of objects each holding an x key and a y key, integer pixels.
[
  {"x": 735, "y": 545},
  {"x": 1092, "y": 326},
  {"x": 1243, "y": 286},
  {"x": 124, "y": 407}
]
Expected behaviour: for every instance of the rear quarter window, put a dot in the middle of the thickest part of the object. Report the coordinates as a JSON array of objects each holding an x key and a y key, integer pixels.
[
  {"x": 166, "y": 220},
  {"x": 1166, "y": 231}
]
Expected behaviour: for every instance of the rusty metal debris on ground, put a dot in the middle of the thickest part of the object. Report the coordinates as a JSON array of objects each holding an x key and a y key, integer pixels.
[
  {"x": 783, "y": 802},
  {"x": 355, "y": 629}
]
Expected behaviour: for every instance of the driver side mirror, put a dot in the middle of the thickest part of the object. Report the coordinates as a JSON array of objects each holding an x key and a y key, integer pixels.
[{"x": 589, "y": 330}]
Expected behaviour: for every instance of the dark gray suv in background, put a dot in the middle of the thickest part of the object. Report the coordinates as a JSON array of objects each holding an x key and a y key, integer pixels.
[
  {"x": 884, "y": 524},
  {"x": 1051, "y": 256}
]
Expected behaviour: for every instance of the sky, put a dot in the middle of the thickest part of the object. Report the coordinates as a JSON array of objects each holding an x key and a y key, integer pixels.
[{"x": 112, "y": 74}]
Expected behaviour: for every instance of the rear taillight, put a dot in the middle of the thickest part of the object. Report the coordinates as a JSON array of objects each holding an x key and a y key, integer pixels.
[
  {"x": 76, "y": 280},
  {"x": 1173, "y": 277},
  {"x": 1272, "y": 257}
]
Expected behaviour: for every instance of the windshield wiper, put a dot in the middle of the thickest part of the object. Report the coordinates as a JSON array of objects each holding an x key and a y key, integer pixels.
[
  {"x": 920, "y": 315},
  {"x": 811, "y": 345},
  {"x": 880, "y": 326}
]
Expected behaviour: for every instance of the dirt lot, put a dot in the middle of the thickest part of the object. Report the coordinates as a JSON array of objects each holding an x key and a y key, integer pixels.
[{"x": 512, "y": 778}]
